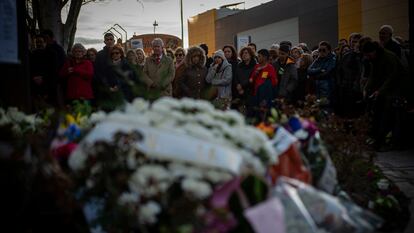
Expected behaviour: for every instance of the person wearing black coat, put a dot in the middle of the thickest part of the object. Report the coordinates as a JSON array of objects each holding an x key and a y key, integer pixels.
[
  {"x": 243, "y": 72},
  {"x": 102, "y": 68},
  {"x": 43, "y": 74}
]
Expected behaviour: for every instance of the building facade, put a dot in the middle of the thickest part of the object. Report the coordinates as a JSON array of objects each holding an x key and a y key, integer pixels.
[
  {"x": 202, "y": 27},
  {"x": 303, "y": 21}
]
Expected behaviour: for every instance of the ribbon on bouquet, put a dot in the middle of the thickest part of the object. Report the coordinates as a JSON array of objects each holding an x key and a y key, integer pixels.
[{"x": 171, "y": 145}]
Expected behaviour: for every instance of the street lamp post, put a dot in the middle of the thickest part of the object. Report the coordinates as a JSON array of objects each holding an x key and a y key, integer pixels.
[
  {"x": 155, "y": 24},
  {"x": 182, "y": 22}
]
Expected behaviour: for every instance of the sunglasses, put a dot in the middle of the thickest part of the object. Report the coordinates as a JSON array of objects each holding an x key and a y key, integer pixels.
[
  {"x": 115, "y": 53},
  {"x": 322, "y": 50},
  {"x": 179, "y": 55}
]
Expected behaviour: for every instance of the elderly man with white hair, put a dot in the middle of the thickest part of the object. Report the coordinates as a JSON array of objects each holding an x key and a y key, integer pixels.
[
  {"x": 386, "y": 38},
  {"x": 159, "y": 71}
]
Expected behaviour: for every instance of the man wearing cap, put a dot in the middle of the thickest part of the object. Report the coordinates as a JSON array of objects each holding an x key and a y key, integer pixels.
[{"x": 158, "y": 71}]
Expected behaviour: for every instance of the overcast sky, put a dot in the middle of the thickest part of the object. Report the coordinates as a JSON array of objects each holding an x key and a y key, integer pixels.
[{"x": 136, "y": 17}]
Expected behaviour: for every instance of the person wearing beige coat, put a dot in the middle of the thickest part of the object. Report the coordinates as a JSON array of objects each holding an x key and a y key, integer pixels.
[{"x": 159, "y": 71}]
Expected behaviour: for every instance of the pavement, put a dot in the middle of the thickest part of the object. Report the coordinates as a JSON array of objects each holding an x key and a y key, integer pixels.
[{"x": 398, "y": 166}]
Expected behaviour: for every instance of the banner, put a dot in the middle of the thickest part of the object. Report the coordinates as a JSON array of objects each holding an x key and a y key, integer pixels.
[{"x": 137, "y": 44}]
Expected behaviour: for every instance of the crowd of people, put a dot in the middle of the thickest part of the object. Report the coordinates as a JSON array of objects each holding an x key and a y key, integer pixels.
[{"x": 360, "y": 75}]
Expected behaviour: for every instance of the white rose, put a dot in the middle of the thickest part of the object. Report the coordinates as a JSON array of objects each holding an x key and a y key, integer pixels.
[
  {"x": 128, "y": 198},
  {"x": 199, "y": 189},
  {"x": 77, "y": 160},
  {"x": 148, "y": 212}
]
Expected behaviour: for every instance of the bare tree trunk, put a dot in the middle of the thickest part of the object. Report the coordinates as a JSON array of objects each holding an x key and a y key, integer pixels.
[
  {"x": 50, "y": 17},
  {"x": 69, "y": 29}
]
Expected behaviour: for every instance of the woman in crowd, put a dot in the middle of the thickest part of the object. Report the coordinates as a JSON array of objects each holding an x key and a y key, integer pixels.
[
  {"x": 170, "y": 53},
  {"x": 287, "y": 73},
  {"x": 124, "y": 78},
  {"x": 220, "y": 75},
  {"x": 304, "y": 83},
  {"x": 91, "y": 54},
  {"x": 296, "y": 53},
  {"x": 193, "y": 79},
  {"x": 264, "y": 81},
  {"x": 140, "y": 61},
  {"x": 78, "y": 73},
  {"x": 231, "y": 56},
  {"x": 179, "y": 70},
  {"x": 243, "y": 73}
]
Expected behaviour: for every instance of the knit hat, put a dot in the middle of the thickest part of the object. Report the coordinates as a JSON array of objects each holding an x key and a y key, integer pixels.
[
  {"x": 285, "y": 48},
  {"x": 219, "y": 53}
]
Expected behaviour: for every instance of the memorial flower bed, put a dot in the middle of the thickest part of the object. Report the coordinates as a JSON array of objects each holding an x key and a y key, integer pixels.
[{"x": 182, "y": 166}]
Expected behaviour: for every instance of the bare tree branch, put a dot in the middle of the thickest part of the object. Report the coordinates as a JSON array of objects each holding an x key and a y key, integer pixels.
[
  {"x": 64, "y": 3},
  {"x": 87, "y": 1}
]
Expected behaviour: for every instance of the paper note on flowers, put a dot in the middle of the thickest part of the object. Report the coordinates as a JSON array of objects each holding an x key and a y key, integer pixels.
[
  {"x": 267, "y": 217},
  {"x": 170, "y": 145},
  {"x": 282, "y": 140}
]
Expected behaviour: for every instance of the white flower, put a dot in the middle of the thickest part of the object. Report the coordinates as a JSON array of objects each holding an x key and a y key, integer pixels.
[
  {"x": 137, "y": 106},
  {"x": 179, "y": 170},
  {"x": 128, "y": 198},
  {"x": 4, "y": 120},
  {"x": 97, "y": 229},
  {"x": 96, "y": 168},
  {"x": 234, "y": 116},
  {"x": 77, "y": 160},
  {"x": 90, "y": 183},
  {"x": 148, "y": 178},
  {"x": 199, "y": 189},
  {"x": 165, "y": 104},
  {"x": 217, "y": 177},
  {"x": 15, "y": 115},
  {"x": 17, "y": 129},
  {"x": 131, "y": 160},
  {"x": 148, "y": 212},
  {"x": 97, "y": 117}
]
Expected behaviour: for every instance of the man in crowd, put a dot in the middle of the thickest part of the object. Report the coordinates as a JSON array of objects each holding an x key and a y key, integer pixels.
[
  {"x": 387, "y": 41},
  {"x": 43, "y": 74},
  {"x": 60, "y": 56},
  {"x": 287, "y": 73},
  {"x": 348, "y": 80},
  {"x": 322, "y": 70},
  {"x": 209, "y": 60},
  {"x": 159, "y": 71},
  {"x": 386, "y": 88},
  {"x": 103, "y": 68}
]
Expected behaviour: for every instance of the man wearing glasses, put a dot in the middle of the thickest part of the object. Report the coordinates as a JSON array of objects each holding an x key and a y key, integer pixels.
[
  {"x": 322, "y": 70},
  {"x": 159, "y": 71}
]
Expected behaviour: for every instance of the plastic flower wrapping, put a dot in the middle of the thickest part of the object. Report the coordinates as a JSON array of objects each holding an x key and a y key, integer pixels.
[
  {"x": 182, "y": 166},
  {"x": 158, "y": 166}
]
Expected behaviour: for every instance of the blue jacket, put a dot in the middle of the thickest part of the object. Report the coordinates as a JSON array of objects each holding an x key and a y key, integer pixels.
[{"x": 323, "y": 68}]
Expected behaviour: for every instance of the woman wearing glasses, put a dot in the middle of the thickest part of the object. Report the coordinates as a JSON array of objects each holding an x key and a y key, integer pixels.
[
  {"x": 124, "y": 78},
  {"x": 179, "y": 70}
]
